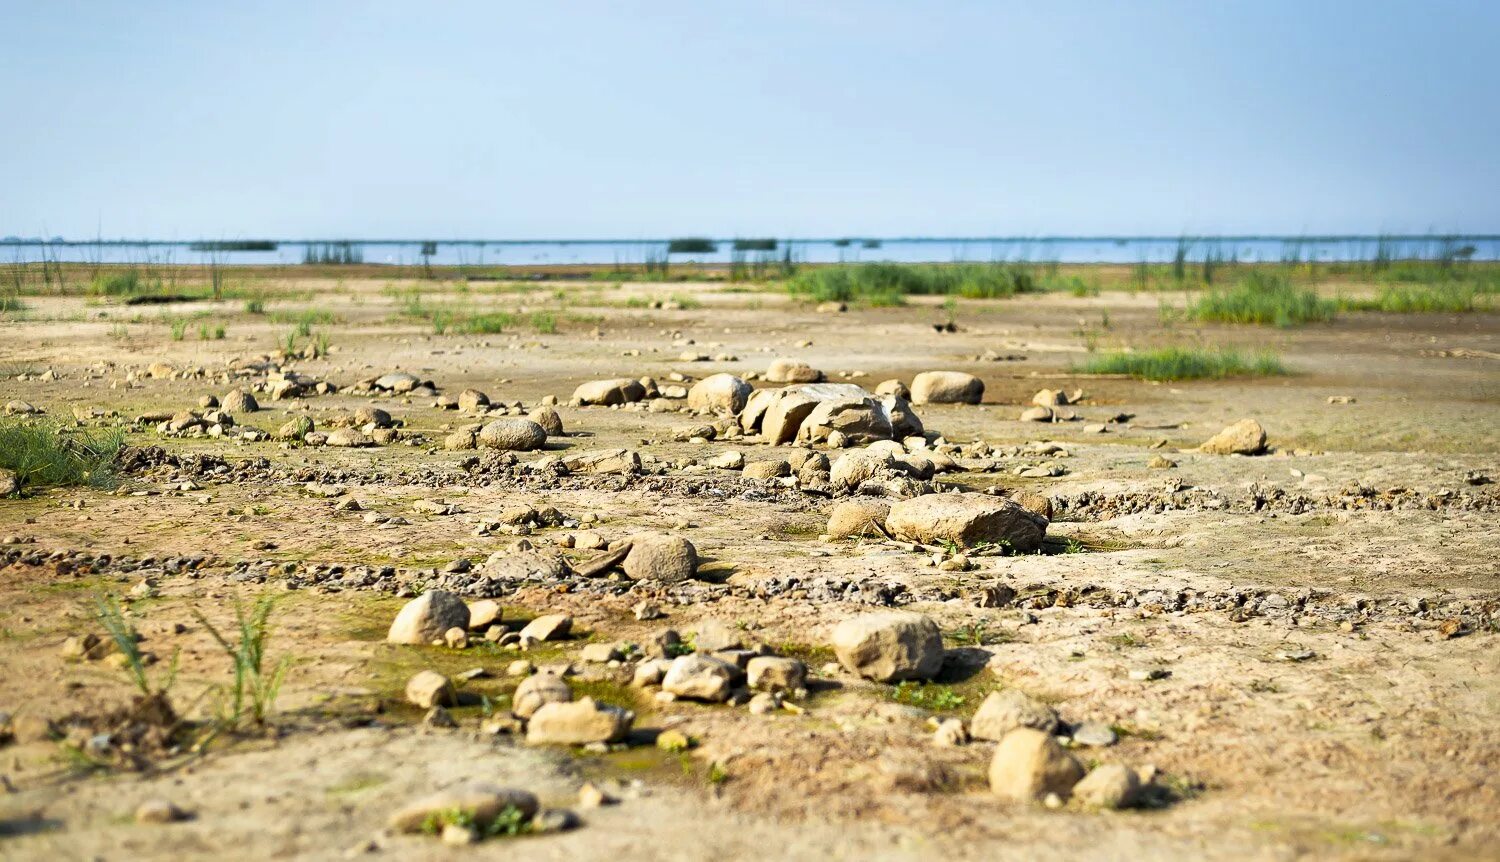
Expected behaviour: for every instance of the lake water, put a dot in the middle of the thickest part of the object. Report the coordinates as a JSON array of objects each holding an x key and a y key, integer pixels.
[{"x": 936, "y": 250}]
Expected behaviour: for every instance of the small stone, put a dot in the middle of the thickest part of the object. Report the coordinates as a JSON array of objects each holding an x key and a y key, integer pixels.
[
  {"x": 889, "y": 646},
  {"x": 428, "y": 617},
  {"x": 456, "y": 638},
  {"x": 773, "y": 673},
  {"x": 537, "y": 690},
  {"x": 577, "y": 723},
  {"x": 458, "y": 835},
  {"x": 1095, "y": 734},
  {"x": 1028, "y": 764},
  {"x": 1110, "y": 786},
  {"x": 550, "y": 627},
  {"x": 158, "y": 811},
  {"x": 950, "y": 734},
  {"x": 439, "y": 717},
  {"x": 430, "y": 688},
  {"x": 699, "y": 677},
  {"x": 674, "y": 741},
  {"x": 591, "y": 796},
  {"x": 1004, "y": 711},
  {"x": 481, "y": 801}
]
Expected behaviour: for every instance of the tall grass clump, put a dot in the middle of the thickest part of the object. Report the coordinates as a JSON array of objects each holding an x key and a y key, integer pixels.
[
  {"x": 889, "y": 283},
  {"x": 1183, "y": 363},
  {"x": 44, "y": 454},
  {"x": 11, "y": 303},
  {"x": 255, "y": 686},
  {"x": 1265, "y": 299}
]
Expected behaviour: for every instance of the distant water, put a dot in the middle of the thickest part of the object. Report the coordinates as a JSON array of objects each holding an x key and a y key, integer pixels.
[{"x": 1126, "y": 250}]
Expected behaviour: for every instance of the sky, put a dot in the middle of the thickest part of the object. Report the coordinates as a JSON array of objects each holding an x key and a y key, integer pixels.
[{"x": 499, "y": 120}]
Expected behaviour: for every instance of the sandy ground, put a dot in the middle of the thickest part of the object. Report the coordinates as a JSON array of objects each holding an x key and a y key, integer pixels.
[{"x": 1380, "y": 741}]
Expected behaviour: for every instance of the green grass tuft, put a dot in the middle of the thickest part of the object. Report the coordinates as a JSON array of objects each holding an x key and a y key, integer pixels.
[
  {"x": 890, "y": 283},
  {"x": 1183, "y": 363},
  {"x": 1264, "y": 299},
  {"x": 44, "y": 454}
]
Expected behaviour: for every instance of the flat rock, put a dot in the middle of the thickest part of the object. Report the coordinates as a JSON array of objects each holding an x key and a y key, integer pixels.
[
  {"x": 577, "y": 723},
  {"x": 966, "y": 519},
  {"x": 889, "y": 646}
]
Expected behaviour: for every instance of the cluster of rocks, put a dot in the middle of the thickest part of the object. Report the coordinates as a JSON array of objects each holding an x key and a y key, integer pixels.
[
  {"x": 509, "y": 431},
  {"x": 395, "y": 383},
  {"x": 966, "y": 520}
]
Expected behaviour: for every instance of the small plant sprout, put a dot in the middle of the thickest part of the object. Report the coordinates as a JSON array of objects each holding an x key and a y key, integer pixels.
[{"x": 255, "y": 687}]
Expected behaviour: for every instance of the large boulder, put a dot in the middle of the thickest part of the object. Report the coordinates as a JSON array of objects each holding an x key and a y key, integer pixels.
[
  {"x": 792, "y": 371},
  {"x": 1004, "y": 711},
  {"x": 1029, "y": 764},
  {"x": 1245, "y": 437},
  {"x": 859, "y": 517},
  {"x": 661, "y": 557},
  {"x": 548, "y": 418},
  {"x": 784, "y": 416},
  {"x": 238, "y": 401},
  {"x": 579, "y": 722},
  {"x": 480, "y": 801},
  {"x": 427, "y": 617},
  {"x": 860, "y": 420},
  {"x": 512, "y": 433},
  {"x": 889, "y": 646},
  {"x": 723, "y": 394},
  {"x": 946, "y": 387},
  {"x": 620, "y": 390},
  {"x": 966, "y": 519}
]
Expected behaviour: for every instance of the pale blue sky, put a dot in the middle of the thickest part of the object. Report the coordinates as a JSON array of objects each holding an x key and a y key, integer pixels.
[{"x": 619, "y": 119}]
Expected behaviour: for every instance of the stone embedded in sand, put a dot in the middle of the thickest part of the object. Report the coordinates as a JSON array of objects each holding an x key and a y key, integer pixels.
[
  {"x": 946, "y": 387},
  {"x": 480, "y": 801},
  {"x": 512, "y": 434},
  {"x": 399, "y": 382},
  {"x": 239, "y": 401},
  {"x": 577, "y": 723},
  {"x": 774, "y": 673},
  {"x": 699, "y": 677},
  {"x": 1109, "y": 786},
  {"x": 159, "y": 811},
  {"x": 792, "y": 371},
  {"x": 473, "y": 401},
  {"x": 430, "y": 688},
  {"x": 549, "y": 627},
  {"x": 603, "y": 462},
  {"x": 722, "y": 394},
  {"x": 346, "y": 438},
  {"x": 10, "y": 482},
  {"x": 1037, "y": 414},
  {"x": 661, "y": 557},
  {"x": 892, "y": 387},
  {"x": 1245, "y": 437},
  {"x": 620, "y": 390},
  {"x": 538, "y": 690},
  {"x": 763, "y": 470},
  {"x": 713, "y": 635},
  {"x": 1159, "y": 462},
  {"x": 730, "y": 460},
  {"x": 1029, "y": 764},
  {"x": 20, "y": 408},
  {"x": 372, "y": 417},
  {"x": 1004, "y": 711},
  {"x": 549, "y": 419},
  {"x": 966, "y": 519},
  {"x": 889, "y": 646},
  {"x": 427, "y": 617},
  {"x": 861, "y": 517}
]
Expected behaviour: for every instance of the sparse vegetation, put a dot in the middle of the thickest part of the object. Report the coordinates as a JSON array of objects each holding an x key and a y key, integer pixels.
[
  {"x": 255, "y": 687},
  {"x": 890, "y": 283},
  {"x": 45, "y": 454},
  {"x": 1264, "y": 299},
  {"x": 1183, "y": 363},
  {"x": 126, "y": 640}
]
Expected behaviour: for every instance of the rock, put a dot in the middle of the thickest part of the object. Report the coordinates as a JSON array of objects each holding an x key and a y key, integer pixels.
[
  {"x": 673, "y": 740},
  {"x": 893, "y": 387},
  {"x": 621, "y": 390},
  {"x": 1004, "y": 711},
  {"x": 765, "y": 703},
  {"x": 460, "y": 441},
  {"x": 295, "y": 429},
  {"x": 372, "y": 417},
  {"x": 721, "y": 394},
  {"x": 1095, "y": 734},
  {"x": 784, "y": 416},
  {"x": 1244, "y": 437},
  {"x": 10, "y": 483},
  {"x": 427, "y": 617},
  {"x": 473, "y": 401},
  {"x": 1050, "y": 398},
  {"x": 766, "y": 470},
  {"x": 946, "y": 387},
  {"x": 590, "y": 795},
  {"x": 858, "y": 517},
  {"x": 716, "y": 636},
  {"x": 158, "y": 811},
  {"x": 600, "y": 653},
  {"x": 550, "y": 627},
  {"x": 577, "y": 723},
  {"x": 549, "y": 420},
  {"x": 698, "y": 677},
  {"x": 661, "y": 557},
  {"x": 951, "y": 734},
  {"x": 792, "y": 371},
  {"x": 512, "y": 434},
  {"x": 1031, "y": 501},
  {"x": 430, "y": 688},
  {"x": 966, "y": 519},
  {"x": 554, "y": 820},
  {"x": 1160, "y": 462},
  {"x": 857, "y": 420},
  {"x": 347, "y": 438},
  {"x": 889, "y": 646},
  {"x": 603, "y": 462},
  {"x": 1110, "y": 786},
  {"x": 481, "y": 801},
  {"x": 399, "y": 382},
  {"x": 537, "y": 690},
  {"x": 774, "y": 673},
  {"x": 650, "y": 672},
  {"x": 458, "y": 835},
  {"x": 456, "y": 638},
  {"x": 1037, "y": 414},
  {"x": 1029, "y": 764},
  {"x": 483, "y": 614},
  {"x": 239, "y": 401},
  {"x": 730, "y": 460},
  {"x": 646, "y": 611},
  {"x": 854, "y": 468}
]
